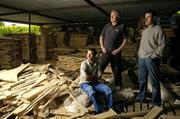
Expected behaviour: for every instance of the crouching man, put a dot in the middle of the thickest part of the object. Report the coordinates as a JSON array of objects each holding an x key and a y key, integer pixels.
[{"x": 90, "y": 74}]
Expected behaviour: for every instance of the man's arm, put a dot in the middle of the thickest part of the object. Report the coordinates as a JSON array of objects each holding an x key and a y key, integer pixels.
[
  {"x": 119, "y": 49},
  {"x": 101, "y": 41},
  {"x": 85, "y": 75},
  {"x": 91, "y": 78},
  {"x": 161, "y": 44}
]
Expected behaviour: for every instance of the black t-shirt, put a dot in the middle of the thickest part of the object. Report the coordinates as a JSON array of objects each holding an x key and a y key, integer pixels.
[{"x": 113, "y": 36}]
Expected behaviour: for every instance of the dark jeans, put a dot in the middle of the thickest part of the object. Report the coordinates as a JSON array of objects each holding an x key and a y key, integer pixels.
[
  {"x": 115, "y": 61},
  {"x": 149, "y": 67},
  {"x": 92, "y": 89}
]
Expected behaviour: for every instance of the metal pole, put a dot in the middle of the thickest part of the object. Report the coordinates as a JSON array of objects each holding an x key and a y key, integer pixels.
[{"x": 30, "y": 42}]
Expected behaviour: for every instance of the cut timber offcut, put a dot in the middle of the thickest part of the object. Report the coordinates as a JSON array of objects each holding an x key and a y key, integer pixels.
[{"x": 12, "y": 74}]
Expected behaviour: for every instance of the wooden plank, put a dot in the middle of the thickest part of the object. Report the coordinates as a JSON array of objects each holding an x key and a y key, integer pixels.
[
  {"x": 61, "y": 111},
  {"x": 106, "y": 115},
  {"x": 34, "y": 92},
  {"x": 169, "y": 117},
  {"x": 77, "y": 115},
  {"x": 131, "y": 114},
  {"x": 25, "y": 117},
  {"x": 12, "y": 74},
  {"x": 152, "y": 114}
]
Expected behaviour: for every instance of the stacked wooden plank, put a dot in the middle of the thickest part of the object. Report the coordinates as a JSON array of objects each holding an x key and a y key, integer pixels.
[
  {"x": 78, "y": 41},
  {"x": 169, "y": 32},
  {"x": 9, "y": 53},
  {"x": 129, "y": 51},
  {"x": 60, "y": 39},
  {"x": 28, "y": 47},
  {"x": 41, "y": 48},
  {"x": 48, "y": 37}
]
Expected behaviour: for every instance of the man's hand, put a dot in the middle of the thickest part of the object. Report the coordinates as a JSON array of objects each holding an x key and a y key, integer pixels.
[
  {"x": 103, "y": 81},
  {"x": 91, "y": 78},
  {"x": 104, "y": 50},
  {"x": 114, "y": 52}
]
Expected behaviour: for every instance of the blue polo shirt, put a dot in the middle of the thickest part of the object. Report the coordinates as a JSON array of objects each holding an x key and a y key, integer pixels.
[{"x": 113, "y": 36}]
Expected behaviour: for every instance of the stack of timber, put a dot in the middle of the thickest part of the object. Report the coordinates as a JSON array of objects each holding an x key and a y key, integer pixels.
[
  {"x": 9, "y": 52},
  {"x": 48, "y": 37},
  {"x": 28, "y": 46},
  {"x": 78, "y": 41},
  {"x": 60, "y": 39},
  {"x": 169, "y": 32},
  {"x": 41, "y": 48},
  {"x": 129, "y": 51}
]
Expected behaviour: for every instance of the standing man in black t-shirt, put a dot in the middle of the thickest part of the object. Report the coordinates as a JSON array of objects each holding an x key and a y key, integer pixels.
[{"x": 112, "y": 40}]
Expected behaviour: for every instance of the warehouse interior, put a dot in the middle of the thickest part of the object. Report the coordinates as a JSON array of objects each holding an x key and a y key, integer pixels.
[{"x": 30, "y": 63}]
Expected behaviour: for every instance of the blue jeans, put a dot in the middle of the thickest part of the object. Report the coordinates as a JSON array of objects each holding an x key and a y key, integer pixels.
[
  {"x": 149, "y": 67},
  {"x": 92, "y": 89}
]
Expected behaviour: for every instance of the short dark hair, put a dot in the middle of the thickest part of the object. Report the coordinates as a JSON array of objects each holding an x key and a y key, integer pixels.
[
  {"x": 116, "y": 10},
  {"x": 94, "y": 51},
  {"x": 154, "y": 13}
]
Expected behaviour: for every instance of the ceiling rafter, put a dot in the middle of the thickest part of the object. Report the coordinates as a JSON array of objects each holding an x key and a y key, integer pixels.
[
  {"x": 12, "y": 13},
  {"x": 22, "y": 10},
  {"x": 97, "y": 7}
]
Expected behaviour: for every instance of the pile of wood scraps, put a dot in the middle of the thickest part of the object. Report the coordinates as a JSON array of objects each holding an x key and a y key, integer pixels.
[
  {"x": 70, "y": 65},
  {"x": 26, "y": 88},
  {"x": 175, "y": 88}
]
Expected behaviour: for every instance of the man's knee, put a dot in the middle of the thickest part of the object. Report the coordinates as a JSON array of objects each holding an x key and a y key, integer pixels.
[
  {"x": 90, "y": 91},
  {"x": 108, "y": 90}
]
